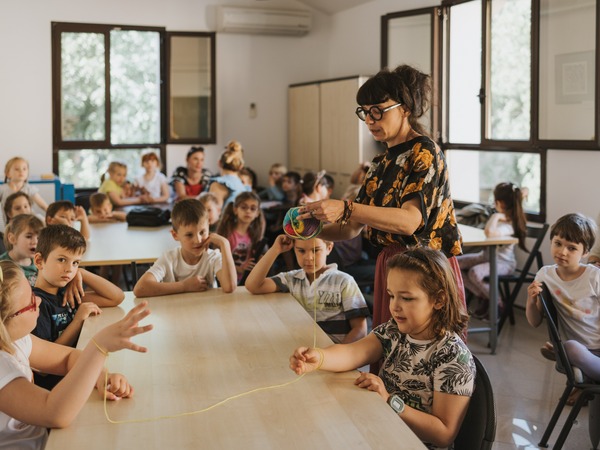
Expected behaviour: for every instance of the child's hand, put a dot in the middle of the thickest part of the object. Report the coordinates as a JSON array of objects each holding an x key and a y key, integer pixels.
[
  {"x": 117, "y": 386},
  {"x": 283, "y": 243},
  {"x": 74, "y": 292},
  {"x": 80, "y": 214},
  {"x": 117, "y": 336},
  {"x": 248, "y": 265},
  {"x": 195, "y": 284},
  {"x": 215, "y": 239},
  {"x": 86, "y": 310},
  {"x": 372, "y": 383},
  {"x": 304, "y": 360},
  {"x": 534, "y": 289}
]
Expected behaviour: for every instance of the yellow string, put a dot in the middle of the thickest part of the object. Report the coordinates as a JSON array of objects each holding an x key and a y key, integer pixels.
[{"x": 233, "y": 397}]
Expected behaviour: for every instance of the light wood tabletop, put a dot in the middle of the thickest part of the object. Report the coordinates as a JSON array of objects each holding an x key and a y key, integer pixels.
[
  {"x": 118, "y": 244},
  {"x": 207, "y": 347},
  {"x": 475, "y": 237}
]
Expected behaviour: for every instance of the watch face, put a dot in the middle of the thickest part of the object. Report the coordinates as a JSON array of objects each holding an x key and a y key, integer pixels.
[{"x": 396, "y": 403}]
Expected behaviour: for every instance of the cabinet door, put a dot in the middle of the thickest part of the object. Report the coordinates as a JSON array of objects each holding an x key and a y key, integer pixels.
[{"x": 303, "y": 128}]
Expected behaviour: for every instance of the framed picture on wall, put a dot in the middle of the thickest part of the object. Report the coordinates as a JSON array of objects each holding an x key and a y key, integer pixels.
[{"x": 574, "y": 77}]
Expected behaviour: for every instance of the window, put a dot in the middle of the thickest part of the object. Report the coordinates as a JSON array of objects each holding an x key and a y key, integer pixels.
[{"x": 109, "y": 97}]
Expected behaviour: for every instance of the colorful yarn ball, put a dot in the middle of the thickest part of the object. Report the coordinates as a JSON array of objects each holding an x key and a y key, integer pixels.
[{"x": 300, "y": 228}]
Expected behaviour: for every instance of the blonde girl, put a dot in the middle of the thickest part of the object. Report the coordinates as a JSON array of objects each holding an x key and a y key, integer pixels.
[
  {"x": 428, "y": 372},
  {"x": 114, "y": 186},
  {"x": 16, "y": 173},
  {"x": 20, "y": 240},
  {"x": 243, "y": 224},
  {"x": 27, "y": 410},
  {"x": 229, "y": 184},
  {"x": 508, "y": 220},
  {"x": 152, "y": 183}
]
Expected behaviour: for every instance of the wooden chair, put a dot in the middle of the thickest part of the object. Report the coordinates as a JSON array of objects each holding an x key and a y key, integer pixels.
[
  {"x": 510, "y": 285},
  {"x": 574, "y": 380},
  {"x": 478, "y": 429}
]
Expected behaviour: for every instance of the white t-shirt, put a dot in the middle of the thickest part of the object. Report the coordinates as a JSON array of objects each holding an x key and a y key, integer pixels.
[
  {"x": 153, "y": 186},
  {"x": 13, "y": 433},
  {"x": 170, "y": 267},
  {"x": 577, "y": 303}
]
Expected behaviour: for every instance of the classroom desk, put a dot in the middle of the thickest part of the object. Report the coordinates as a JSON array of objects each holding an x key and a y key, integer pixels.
[
  {"x": 206, "y": 347},
  {"x": 475, "y": 237},
  {"x": 118, "y": 244}
]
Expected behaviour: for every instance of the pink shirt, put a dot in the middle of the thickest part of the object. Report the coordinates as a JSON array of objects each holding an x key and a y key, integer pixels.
[{"x": 241, "y": 244}]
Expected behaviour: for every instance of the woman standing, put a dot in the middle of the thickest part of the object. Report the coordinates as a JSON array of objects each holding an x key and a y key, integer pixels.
[
  {"x": 190, "y": 181},
  {"x": 405, "y": 198}
]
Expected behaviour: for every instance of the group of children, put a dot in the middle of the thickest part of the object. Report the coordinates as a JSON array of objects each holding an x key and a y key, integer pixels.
[{"x": 427, "y": 374}]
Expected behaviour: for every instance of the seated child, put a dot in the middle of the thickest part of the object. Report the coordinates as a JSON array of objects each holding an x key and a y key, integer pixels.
[
  {"x": 192, "y": 267},
  {"x": 27, "y": 411},
  {"x": 341, "y": 308},
  {"x": 213, "y": 208},
  {"x": 152, "y": 183},
  {"x": 428, "y": 373},
  {"x": 101, "y": 209},
  {"x": 117, "y": 188},
  {"x": 274, "y": 192},
  {"x": 16, "y": 175},
  {"x": 314, "y": 187},
  {"x": 57, "y": 258},
  {"x": 66, "y": 213},
  {"x": 17, "y": 203},
  {"x": 291, "y": 184},
  {"x": 243, "y": 225},
  {"x": 20, "y": 240},
  {"x": 575, "y": 289}
]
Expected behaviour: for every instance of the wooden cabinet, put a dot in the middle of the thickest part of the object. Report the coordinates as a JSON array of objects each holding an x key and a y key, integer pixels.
[{"x": 324, "y": 133}]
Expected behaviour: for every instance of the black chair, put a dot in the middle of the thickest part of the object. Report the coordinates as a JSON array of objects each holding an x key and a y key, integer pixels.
[
  {"x": 478, "y": 429},
  {"x": 522, "y": 275},
  {"x": 574, "y": 380}
]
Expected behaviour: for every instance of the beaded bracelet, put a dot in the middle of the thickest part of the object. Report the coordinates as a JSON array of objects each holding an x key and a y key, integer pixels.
[{"x": 100, "y": 349}]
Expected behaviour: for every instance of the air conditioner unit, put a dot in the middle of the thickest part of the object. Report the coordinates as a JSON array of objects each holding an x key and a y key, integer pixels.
[{"x": 233, "y": 19}]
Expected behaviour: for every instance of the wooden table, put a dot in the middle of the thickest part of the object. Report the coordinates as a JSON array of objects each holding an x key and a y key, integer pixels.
[
  {"x": 119, "y": 244},
  {"x": 475, "y": 237},
  {"x": 209, "y": 346}
]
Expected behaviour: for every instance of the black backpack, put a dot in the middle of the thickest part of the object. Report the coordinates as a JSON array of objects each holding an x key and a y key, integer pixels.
[{"x": 148, "y": 216}]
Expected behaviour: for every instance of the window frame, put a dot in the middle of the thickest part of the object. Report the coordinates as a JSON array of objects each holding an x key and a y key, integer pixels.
[
  {"x": 441, "y": 83},
  {"x": 212, "y": 139},
  {"x": 58, "y": 144}
]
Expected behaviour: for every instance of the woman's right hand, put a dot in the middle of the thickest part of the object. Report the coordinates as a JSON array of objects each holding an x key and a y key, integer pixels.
[
  {"x": 304, "y": 359},
  {"x": 117, "y": 336},
  {"x": 327, "y": 211}
]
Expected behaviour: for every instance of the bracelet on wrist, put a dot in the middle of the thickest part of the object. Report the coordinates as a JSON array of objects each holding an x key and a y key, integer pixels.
[
  {"x": 322, "y": 359},
  {"x": 100, "y": 349}
]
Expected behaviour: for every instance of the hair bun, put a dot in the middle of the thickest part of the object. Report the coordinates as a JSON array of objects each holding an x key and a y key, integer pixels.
[{"x": 234, "y": 146}]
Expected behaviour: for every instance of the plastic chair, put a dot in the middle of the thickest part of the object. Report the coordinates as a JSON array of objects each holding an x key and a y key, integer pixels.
[
  {"x": 522, "y": 275},
  {"x": 478, "y": 429},
  {"x": 574, "y": 380}
]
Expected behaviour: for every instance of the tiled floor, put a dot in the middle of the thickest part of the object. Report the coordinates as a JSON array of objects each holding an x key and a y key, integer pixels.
[{"x": 526, "y": 388}]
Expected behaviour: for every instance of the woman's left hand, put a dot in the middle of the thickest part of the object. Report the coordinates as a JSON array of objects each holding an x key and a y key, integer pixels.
[
  {"x": 325, "y": 210},
  {"x": 372, "y": 383}
]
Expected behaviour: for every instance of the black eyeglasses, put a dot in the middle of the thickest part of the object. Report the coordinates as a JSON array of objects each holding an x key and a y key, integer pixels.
[
  {"x": 31, "y": 306},
  {"x": 375, "y": 112}
]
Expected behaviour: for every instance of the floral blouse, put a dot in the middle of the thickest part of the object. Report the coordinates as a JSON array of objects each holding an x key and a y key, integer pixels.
[{"x": 415, "y": 168}]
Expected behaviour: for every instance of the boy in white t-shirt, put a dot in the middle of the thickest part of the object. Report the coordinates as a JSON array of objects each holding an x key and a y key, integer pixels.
[
  {"x": 575, "y": 290},
  {"x": 192, "y": 267}
]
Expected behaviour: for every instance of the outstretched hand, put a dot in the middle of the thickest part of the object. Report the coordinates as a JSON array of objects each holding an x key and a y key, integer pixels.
[
  {"x": 328, "y": 211},
  {"x": 305, "y": 359},
  {"x": 118, "y": 336}
]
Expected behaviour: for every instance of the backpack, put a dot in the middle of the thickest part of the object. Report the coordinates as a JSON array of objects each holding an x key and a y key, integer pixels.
[{"x": 148, "y": 216}]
